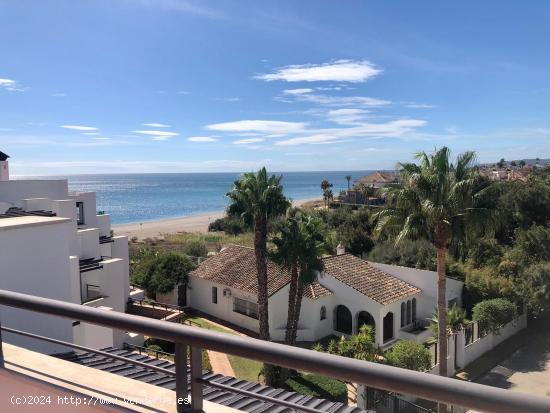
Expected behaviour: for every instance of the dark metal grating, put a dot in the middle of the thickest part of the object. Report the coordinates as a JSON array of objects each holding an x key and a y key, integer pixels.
[
  {"x": 15, "y": 212},
  {"x": 215, "y": 395}
]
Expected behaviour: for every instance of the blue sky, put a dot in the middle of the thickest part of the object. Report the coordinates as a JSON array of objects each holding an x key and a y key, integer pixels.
[{"x": 102, "y": 86}]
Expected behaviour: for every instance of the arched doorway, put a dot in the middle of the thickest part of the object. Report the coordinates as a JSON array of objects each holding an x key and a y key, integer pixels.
[
  {"x": 365, "y": 318},
  {"x": 388, "y": 326},
  {"x": 343, "y": 320}
]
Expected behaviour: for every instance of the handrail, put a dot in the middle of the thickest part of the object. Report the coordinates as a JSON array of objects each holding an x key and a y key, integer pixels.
[{"x": 428, "y": 386}]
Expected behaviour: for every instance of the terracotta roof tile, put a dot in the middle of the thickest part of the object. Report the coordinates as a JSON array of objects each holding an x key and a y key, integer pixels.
[
  {"x": 235, "y": 266},
  {"x": 368, "y": 280},
  {"x": 315, "y": 290}
]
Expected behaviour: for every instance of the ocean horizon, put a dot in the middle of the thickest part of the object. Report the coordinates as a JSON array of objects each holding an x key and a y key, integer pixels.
[{"x": 134, "y": 198}]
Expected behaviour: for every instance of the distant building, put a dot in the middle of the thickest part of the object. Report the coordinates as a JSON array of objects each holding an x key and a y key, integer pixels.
[
  {"x": 506, "y": 174},
  {"x": 379, "y": 179},
  {"x": 54, "y": 244}
]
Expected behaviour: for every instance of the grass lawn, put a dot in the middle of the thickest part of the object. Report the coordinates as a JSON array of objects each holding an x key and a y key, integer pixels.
[
  {"x": 244, "y": 368},
  {"x": 318, "y": 386}
]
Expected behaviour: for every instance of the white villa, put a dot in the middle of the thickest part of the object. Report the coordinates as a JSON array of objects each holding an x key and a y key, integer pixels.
[
  {"x": 350, "y": 292},
  {"x": 54, "y": 244}
]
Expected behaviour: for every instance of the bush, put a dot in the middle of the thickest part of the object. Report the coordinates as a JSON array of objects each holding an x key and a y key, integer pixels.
[
  {"x": 534, "y": 287},
  {"x": 416, "y": 254},
  {"x": 483, "y": 284},
  {"x": 161, "y": 272},
  {"x": 195, "y": 248},
  {"x": 229, "y": 225},
  {"x": 494, "y": 314},
  {"x": 409, "y": 355}
]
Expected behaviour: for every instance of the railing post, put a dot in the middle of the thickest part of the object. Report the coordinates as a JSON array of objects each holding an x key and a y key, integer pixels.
[
  {"x": 180, "y": 359},
  {"x": 196, "y": 385},
  {"x": 1, "y": 351}
]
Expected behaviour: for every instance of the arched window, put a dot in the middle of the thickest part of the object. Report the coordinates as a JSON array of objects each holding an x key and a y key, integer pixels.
[
  {"x": 414, "y": 310},
  {"x": 409, "y": 312},
  {"x": 402, "y": 314},
  {"x": 323, "y": 313},
  {"x": 343, "y": 320}
]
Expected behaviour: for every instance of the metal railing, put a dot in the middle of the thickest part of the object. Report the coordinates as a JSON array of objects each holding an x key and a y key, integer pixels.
[{"x": 186, "y": 338}]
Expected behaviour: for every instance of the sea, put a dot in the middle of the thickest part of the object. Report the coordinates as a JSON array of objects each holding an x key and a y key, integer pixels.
[{"x": 133, "y": 198}]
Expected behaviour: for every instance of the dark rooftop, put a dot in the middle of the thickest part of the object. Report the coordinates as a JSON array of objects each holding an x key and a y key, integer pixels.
[
  {"x": 3, "y": 156},
  {"x": 15, "y": 212}
]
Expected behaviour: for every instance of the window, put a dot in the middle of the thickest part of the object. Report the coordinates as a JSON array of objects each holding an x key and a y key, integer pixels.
[
  {"x": 402, "y": 314},
  {"x": 246, "y": 308},
  {"x": 409, "y": 312},
  {"x": 215, "y": 295},
  {"x": 80, "y": 213},
  {"x": 323, "y": 313},
  {"x": 414, "y": 310}
]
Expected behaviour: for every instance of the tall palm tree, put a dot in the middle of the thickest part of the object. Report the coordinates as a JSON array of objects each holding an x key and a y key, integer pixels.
[
  {"x": 444, "y": 203},
  {"x": 348, "y": 178},
  {"x": 325, "y": 187},
  {"x": 298, "y": 248},
  {"x": 256, "y": 198}
]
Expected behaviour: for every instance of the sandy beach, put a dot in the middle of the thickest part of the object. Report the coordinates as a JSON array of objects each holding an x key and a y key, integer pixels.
[{"x": 193, "y": 223}]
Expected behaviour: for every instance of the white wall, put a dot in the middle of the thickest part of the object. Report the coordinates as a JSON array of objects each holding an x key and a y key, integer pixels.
[
  {"x": 90, "y": 210},
  {"x": 15, "y": 191},
  {"x": 310, "y": 325},
  {"x": 200, "y": 297},
  {"x": 88, "y": 240},
  {"x": 104, "y": 225},
  {"x": 34, "y": 257}
]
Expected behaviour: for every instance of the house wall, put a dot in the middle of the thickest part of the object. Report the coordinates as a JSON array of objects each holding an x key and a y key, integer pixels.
[
  {"x": 34, "y": 257},
  {"x": 15, "y": 191},
  {"x": 90, "y": 210},
  {"x": 310, "y": 326},
  {"x": 200, "y": 297},
  {"x": 88, "y": 239}
]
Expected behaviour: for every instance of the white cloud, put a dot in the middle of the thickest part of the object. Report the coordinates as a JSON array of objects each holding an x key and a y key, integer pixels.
[
  {"x": 156, "y": 125},
  {"x": 59, "y": 95},
  {"x": 80, "y": 128},
  {"x": 394, "y": 129},
  {"x": 229, "y": 99},
  {"x": 297, "y": 91},
  {"x": 346, "y": 116},
  {"x": 264, "y": 126},
  {"x": 11, "y": 85},
  {"x": 202, "y": 139},
  {"x": 414, "y": 105},
  {"x": 355, "y": 71},
  {"x": 91, "y": 133},
  {"x": 157, "y": 133},
  {"x": 342, "y": 100},
  {"x": 248, "y": 141}
]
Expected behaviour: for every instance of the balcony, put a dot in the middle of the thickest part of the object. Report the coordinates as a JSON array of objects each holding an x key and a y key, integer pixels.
[{"x": 191, "y": 340}]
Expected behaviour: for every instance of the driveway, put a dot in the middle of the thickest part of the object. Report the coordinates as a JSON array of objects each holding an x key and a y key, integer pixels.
[{"x": 527, "y": 370}]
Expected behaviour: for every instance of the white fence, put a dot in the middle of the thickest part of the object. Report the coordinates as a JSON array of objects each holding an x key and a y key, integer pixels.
[{"x": 467, "y": 345}]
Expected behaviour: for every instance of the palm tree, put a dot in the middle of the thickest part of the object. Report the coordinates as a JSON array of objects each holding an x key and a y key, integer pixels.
[
  {"x": 348, "y": 178},
  {"x": 257, "y": 198},
  {"x": 298, "y": 248},
  {"x": 456, "y": 319},
  {"x": 366, "y": 190},
  {"x": 325, "y": 186},
  {"x": 444, "y": 203}
]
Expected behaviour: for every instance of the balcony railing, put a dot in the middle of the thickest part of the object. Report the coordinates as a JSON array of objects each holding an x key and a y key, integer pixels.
[{"x": 192, "y": 340}]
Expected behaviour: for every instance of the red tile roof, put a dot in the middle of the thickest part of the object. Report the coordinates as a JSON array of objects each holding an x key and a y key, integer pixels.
[{"x": 366, "y": 279}]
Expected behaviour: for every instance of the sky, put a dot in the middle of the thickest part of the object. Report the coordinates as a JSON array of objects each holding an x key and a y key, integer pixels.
[{"x": 120, "y": 86}]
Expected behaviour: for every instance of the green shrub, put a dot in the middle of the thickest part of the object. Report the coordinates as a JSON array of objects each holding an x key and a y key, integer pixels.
[
  {"x": 229, "y": 225},
  {"x": 534, "y": 287},
  {"x": 160, "y": 273},
  {"x": 195, "y": 248},
  {"x": 494, "y": 314},
  {"x": 409, "y": 355}
]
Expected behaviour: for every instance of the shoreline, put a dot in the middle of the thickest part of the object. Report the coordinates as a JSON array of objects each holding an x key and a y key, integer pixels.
[{"x": 157, "y": 228}]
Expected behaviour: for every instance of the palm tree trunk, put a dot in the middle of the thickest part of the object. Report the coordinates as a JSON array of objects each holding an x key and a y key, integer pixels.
[
  {"x": 291, "y": 303},
  {"x": 260, "y": 250},
  {"x": 297, "y": 308},
  {"x": 442, "y": 316}
]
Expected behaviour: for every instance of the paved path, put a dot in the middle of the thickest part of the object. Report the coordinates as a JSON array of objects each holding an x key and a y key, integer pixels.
[
  {"x": 527, "y": 370},
  {"x": 220, "y": 363}
]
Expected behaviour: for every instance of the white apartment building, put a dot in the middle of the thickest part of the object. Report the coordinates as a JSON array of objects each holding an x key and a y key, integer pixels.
[{"x": 54, "y": 244}]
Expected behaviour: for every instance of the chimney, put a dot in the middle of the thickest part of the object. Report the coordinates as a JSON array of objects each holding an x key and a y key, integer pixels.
[
  {"x": 4, "y": 167},
  {"x": 340, "y": 249}
]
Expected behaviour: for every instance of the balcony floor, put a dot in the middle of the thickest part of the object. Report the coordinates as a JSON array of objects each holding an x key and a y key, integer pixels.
[{"x": 33, "y": 374}]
